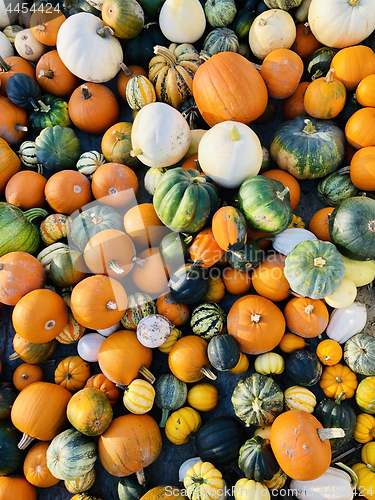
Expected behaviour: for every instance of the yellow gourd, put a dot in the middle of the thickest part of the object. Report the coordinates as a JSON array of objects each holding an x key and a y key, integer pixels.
[
  {"x": 170, "y": 342},
  {"x": 269, "y": 363},
  {"x": 247, "y": 488},
  {"x": 299, "y": 398},
  {"x": 364, "y": 430},
  {"x": 366, "y": 480},
  {"x": 203, "y": 396},
  {"x": 182, "y": 424},
  {"x": 242, "y": 365},
  {"x": 82, "y": 483},
  {"x": 139, "y": 396},
  {"x": 337, "y": 379},
  {"x": 344, "y": 296},
  {"x": 264, "y": 432},
  {"x": 360, "y": 272},
  {"x": 203, "y": 482}
]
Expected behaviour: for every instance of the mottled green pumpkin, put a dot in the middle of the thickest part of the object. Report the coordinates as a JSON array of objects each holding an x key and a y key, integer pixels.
[
  {"x": 208, "y": 320},
  {"x": 129, "y": 489},
  {"x": 359, "y": 354},
  {"x": 11, "y": 457},
  {"x": 223, "y": 352},
  {"x": 89, "y": 411},
  {"x": 58, "y": 148},
  {"x": 67, "y": 269},
  {"x": 8, "y": 394},
  {"x": 220, "y": 13},
  {"x": 257, "y": 460},
  {"x": 170, "y": 395},
  {"x": 221, "y": 40},
  {"x": 335, "y": 188},
  {"x": 140, "y": 305},
  {"x": 282, "y": 4},
  {"x": 51, "y": 111}
]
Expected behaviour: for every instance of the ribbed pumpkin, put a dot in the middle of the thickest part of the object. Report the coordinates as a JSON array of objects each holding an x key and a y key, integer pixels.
[
  {"x": 89, "y": 411},
  {"x": 72, "y": 373},
  {"x": 72, "y": 331},
  {"x": 162, "y": 493},
  {"x": 299, "y": 398},
  {"x": 256, "y": 459},
  {"x": 204, "y": 249},
  {"x": 82, "y": 483},
  {"x": 53, "y": 228},
  {"x": 182, "y": 424},
  {"x": 102, "y": 383},
  {"x": 208, "y": 320},
  {"x": 35, "y": 466},
  {"x": 336, "y": 379},
  {"x": 364, "y": 430},
  {"x": 306, "y": 317}
]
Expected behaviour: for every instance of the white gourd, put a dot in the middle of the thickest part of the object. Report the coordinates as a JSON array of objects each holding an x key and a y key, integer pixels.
[
  {"x": 28, "y": 46},
  {"x": 106, "y": 332},
  {"x": 89, "y": 345},
  {"x": 152, "y": 178},
  {"x": 346, "y": 322},
  {"x": 182, "y": 21},
  {"x": 6, "y": 49},
  {"x": 9, "y": 12},
  {"x": 344, "y": 296},
  {"x": 154, "y": 330},
  {"x": 287, "y": 240}
]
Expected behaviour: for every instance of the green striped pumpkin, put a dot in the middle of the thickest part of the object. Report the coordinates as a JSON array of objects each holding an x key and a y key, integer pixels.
[
  {"x": 71, "y": 454},
  {"x": 208, "y": 320},
  {"x": 220, "y": 13},
  {"x": 243, "y": 22},
  {"x": 139, "y": 92},
  {"x": 46, "y": 255},
  {"x": 140, "y": 305},
  {"x": 129, "y": 489},
  {"x": 27, "y": 154},
  {"x": 335, "y": 188},
  {"x": 221, "y": 40},
  {"x": 170, "y": 395},
  {"x": 256, "y": 459},
  {"x": 67, "y": 268},
  {"x": 30, "y": 352},
  {"x": 89, "y": 162}
]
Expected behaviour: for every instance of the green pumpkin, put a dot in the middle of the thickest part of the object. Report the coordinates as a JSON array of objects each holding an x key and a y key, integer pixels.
[
  {"x": 220, "y": 13},
  {"x": 11, "y": 458},
  {"x": 335, "y": 414},
  {"x": 335, "y": 188},
  {"x": 23, "y": 91},
  {"x": 184, "y": 200},
  {"x": 314, "y": 269},
  {"x": 187, "y": 284},
  {"x": 246, "y": 258},
  {"x": 174, "y": 248},
  {"x": 51, "y": 111},
  {"x": 365, "y": 395},
  {"x": 223, "y": 352},
  {"x": 351, "y": 106},
  {"x": 257, "y": 460},
  {"x": 308, "y": 148},
  {"x": 140, "y": 305},
  {"x": 58, "y": 148},
  {"x": 242, "y": 23},
  {"x": 140, "y": 49},
  {"x": 282, "y": 4},
  {"x": 221, "y": 40},
  {"x": 17, "y": 233},
  {"x": 319, "y": 63},
  {"x": 359, "y": 354},
  {"x": 70, "y": 7},
  {"x": 208, "y": 320},
  {"x": 8, "y": 394},
  {"x": 129, "y": 489},
  {"x": 352, "y": 228},
  {"x": 170, "y": 395},
  {"x": 257, "y": 400},
  {"x": 303, "y": 368},
  {"x": 125, "y": 18},
  {"x": 92, "y": 221},
  {"x": 265, "y": 204},
  {"x": 151, "y": 9},
  {"x": 219, "y": 440},
  {"x": 71, "y": 454},
  {"x": 67, "y": 269}
]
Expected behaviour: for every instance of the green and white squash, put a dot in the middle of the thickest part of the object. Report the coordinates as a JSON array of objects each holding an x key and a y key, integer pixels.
[
  {"x": 58, "y": 148},
  {"x": 314, "y": 269},
  {"x": 303, "y": 367},
  {"x": 319, "y": 63},
  {"x": 139, "y": 92},
  {"x": 140, "y": 305},
  {"x": 170, "y": 395},
  {"x": 223, "y": 352},
  {"x": 51, "y": 111},
  {"x": 67, "y": 268},
  {"x": 220, "y": 13},
  {"x": 46, "y": 255},
  {"x": 246, "y": 258},
  {"x": 299, "y": 398},
  {"x": 208, "y": 320},
  {"x": 152, "y": 178},
  {"x": 346, "y": 322},
  {"x": 257, "y": 460},
  {"x": 11, "y": 31},
  {"x": 257, "y": 400},
  {"x": 89, "y": 162},
  {"x": 359, "y": 354},
  {"x": 335, "y": 188},
  {"x": 242, "y": 23},
  {"x": 27, "y": 154},
  {"x": 282, "y": 4},
  {"x": 188, "y": 284},
  {"x": 308, "y": 148},
  {"x": 221, "y": 40}
]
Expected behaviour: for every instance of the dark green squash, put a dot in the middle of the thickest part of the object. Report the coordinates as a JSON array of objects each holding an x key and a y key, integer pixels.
[
  {"x": 319, "y": 63},
  {"x": 129, "y": 489},
  {"x": 303, "y": 368},
  {"x": 308, "y": 148},
  {"x": 335, "y": 414},
  {"x": 190, "y": 112},
  {"x": 208, "y": 320},
  {"x": 11, "y": 458},
  {"x": 140, "y": 305},
  {"x": 184, "y": 200},
  {"x": 359, "y": 354},
  {"x": 257, "y": 400},
  {"x": 170, "y": 395},
  {"x": 51, "y": 111},
  {"x": 32, "y": 353},
  {"x": 58, "y": 148},
  {"x": 246, "y": 258},
  {"x": 352, "y": 228},
  {"x": 188, "y": 284},
  {"x": 219, "y": 440},
  {"x": 140, "y": 50},
  {"x": 223, "y": 352},
  {"x": 221, "y": 40},
  {"x": 265, "y": 204},
  {"x": 220, "y": 13},
  {"x": 351, "y": 106},
  {"x": 151, "y": 8},
  {"x": 242, "y": 23},
  {"x": 335, "y": 188},
  {"x": 257, "y": 460},
  {"x": 17, "y": 233},
  {"x": 8, "y": 394},
  {"x": 67, "y": 268},
  {"x": 23, "y": 91},
  {"x": 174, "y": 248}
]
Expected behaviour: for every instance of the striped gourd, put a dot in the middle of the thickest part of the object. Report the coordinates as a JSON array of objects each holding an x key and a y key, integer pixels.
[
  {"x": 82, "y": 483},
  {"x": 84, "y": 496},
  {"x": 11, "y": 31},
  {"x": 89, "y": 162},
  {"x": 139, "y": 92},
  {"x": 30, "y": 352},
  {"x": 221, "y": 40},
  {"x": 208, "y": 320},
  {"x": 71, "y": 333},
  {"x": 170, "y": 342},
  {"x": 27, "y": 154},
  {"x": 47, "y": 254},
  {"x": 53, "y": 228},
  {"x": 140, "y": 305},
  {"x": 139, "y": 396},
  {"x": 299, "y": 398},
  {"x": 71, "y": 454}
]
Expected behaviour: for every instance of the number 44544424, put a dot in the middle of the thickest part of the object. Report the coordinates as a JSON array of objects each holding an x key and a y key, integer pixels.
[{"x": 24, "y": 7}]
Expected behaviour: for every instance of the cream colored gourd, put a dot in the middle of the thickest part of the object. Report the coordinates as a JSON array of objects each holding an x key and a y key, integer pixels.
[
  {"x": 196, "y": 137},
  {"x": 152, "y": 178},
  {"x": 248, "y": 488},
  {"x": 341, "y": 23},
  {"x": 346, "y": 322},
  {"x": 88, "y": 48},
  {"x": 153, "y": 330},
  {"x": 299, "y": 398},
  {"x": 106, "y": 332},
  {"x": 269, "y": 363},
  {"x": 139, "y": 396},
  {"x": 6, "y": 49},
  {"x": 160, "y": 135},
  {"x": 28, "y": 46},
  {"x": 287, "y": 240},
  {"x": 11, "y": 31},
  {"x": 361, "y": 272},
  {"x": 82, "y": 483},
  {"x": 182, "y": 21},
  {"x": 89, "y": 345},
  {"x": 344, "y": 296},
  {"x": 302, "y": 11},
  {"x": 9, "y": 12},
  {"x": 273, "y": 29},
  {"x": 229, "y": 153}
]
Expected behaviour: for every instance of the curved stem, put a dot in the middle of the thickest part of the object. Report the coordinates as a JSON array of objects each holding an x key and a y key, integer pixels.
[
  {"x": 344, "y": 170},
  {"x": 145, "y": 372},
  {"x": 20, "y": 128},
  {"x": 119, "y": 135},
  {"x": 13, "y": 356},
  {"x": 105, "y": 31},
  {"x": 136, "y": 152},
  {"x": 140, "y": 262},
  {"x": 4, "y": 66},
  {"x": 306, "y": 29},
  {"x": 25, "y": 441},
  {"x": 32, "y": 102},
  {"x": 329, "y": 76},
  {"x": 44, "y": 108},
  {"x": 33, "y": 213},
  {"x": 309, "y": 128},
  {"x": 114, "y": 265},
  {"x": 164, "y": 417},
  {"x": 208, "y": 373},
  {"x": 339, "y": 397},
  {"x": 352, "y": 474},
  {"x": 169, "y": 57},
  {"x": 125, "y": 69},
  {"x": 281, "y": 194},
  {"x": 141, "y": 476}
]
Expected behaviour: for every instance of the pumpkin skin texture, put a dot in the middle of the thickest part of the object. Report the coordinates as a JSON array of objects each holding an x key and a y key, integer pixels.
[
  {"x": 30, "y": 352},
  {"x": 45, "y": 24},
  {"x": 269, "y": 280},
  {"x": 246, "y": 99},
  {"x": 329, "y": 352},
  {"x": 150, "y": 276},
  {"x": 35, "y": 466},
  {"x": 353, "y": 64},
  {"x": 10, "y": 164},
  {"x": 362, "y": 169},
  {"x": 130, "y": 443},
  {"x": 256, "y": 459},
  {"x": 16, "y": 487},
  {"x": 163, "y": 492},
  {"x": 306, "y": 317},
  {"x": 203, "y": 397},
  {"x": 126, "y": 20},
  {"x": 282, "y": 70},
  {"x": 176, "y": 312},
  {"x": 303, "y": 367},
  {"x": 229, "y": 228},
  {"x": 359, "y": 129},
  {"x": 325, "y": 97},
  {"x": 89, "y": 411},
  {"x": 170, "y": 394},
  {"x": 143, "y": 226},
  {"x": 14, "y": 120},
  {"x": 185, "y": 365},
  {"x": 102, "y": 383},
  {"x": 114, "y": 184},
  {"x": 365, "y": 395},
  {"x": 358, "y": 354},
  {"x": 67, "y": 191},
  {"x": 58, "y": 148},
  {"x": 116, "y": 145},
  {"x": 53, "y": 76}
]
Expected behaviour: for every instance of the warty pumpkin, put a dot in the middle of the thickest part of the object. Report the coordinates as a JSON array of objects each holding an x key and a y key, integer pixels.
[
  {"x": 89, "y": 411},
  {"x": 72, "y": 373},
  {"x": 306, "y": 317},
  {"x": 53, "y": 76},
  {"x": 35, "y": 466}
]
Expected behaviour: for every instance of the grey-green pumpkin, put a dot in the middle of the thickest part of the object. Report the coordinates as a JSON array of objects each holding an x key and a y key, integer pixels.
[
  {"x": 170, "y": 394},
  {"x": 208, "y": 320},
  {"x": 359, "y": 354},
  {"x": 220, "y": 13}
]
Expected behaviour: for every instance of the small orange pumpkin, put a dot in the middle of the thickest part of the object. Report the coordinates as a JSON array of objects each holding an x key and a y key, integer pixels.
[
  {"x": 26, "y": 190},
  {"x": 282, "y": 70},
  {"x": 336, "y": 379},
  {"x": 14, "y": 122},
  {"x": 45, "y": 23},
  {"x": 72, "y": 373},
  {"x": 204, "y": 249},
  {"x": 319, "y": 223},
  {"x": 67, "y": 191},
  {"x": 306, "y": 317},
  {"x": 325, "y": 97},
  {"x": 35, "y": 466},
  {"x": 143, "y": 226},
  {"x": 53, "y": 76},
  {"x": 305, "y": 42},
  {"x": 101, "y": 382},
  {"x": 229, "y": 228},
  {"x": 269, "y": 280},
  {"x": 12, "y": 65},
  {"x": 291, "y": 342},
  {"x": 149, "y": 273},
  {"x": 216, "y": 289},
  {"x": 114, "y": 184},
  {"x": 329, "y": 352},
  {"x": 236, "y": 282},
  {"x": 26, "y": 374},
  {"x": 168, "y": 307}
]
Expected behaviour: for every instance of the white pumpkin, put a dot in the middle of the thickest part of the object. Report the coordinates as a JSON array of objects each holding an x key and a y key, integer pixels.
[
  {"x": 9, "y": 12},
  {"x": 346, "y": 322},
  {"x": 153, "y": 330},
  {"x": 344, "y": 296},
  {"x": 89, "y": 345},
  {"x": 28, "y": 46},
  {"x": 341, "y": 23},
  {"x": 6, "y": 48},
  {"x": 24, "y": 18},
  {"x": 196, "y": 136},
  {"x": 229, "y": 153},
  {"x": 287, "y": 240},
  {"x": 160, "y": 135},
  {"x": 273, "y": 29},
  {"x": 182, "y": 21},
  {"x": 302, "y": 11},
  {"x": 108, "y": 331},
  {"x": 361, "y": 272},
  {"x": 88, "y": 48}
]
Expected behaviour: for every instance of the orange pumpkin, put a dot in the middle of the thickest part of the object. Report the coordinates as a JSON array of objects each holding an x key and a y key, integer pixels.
[
  {"x": 20, "y": 273},
  {"x": 26, "y": 190},
  {"x": 124, "y": 76},
  {"x": 114, "y": 184},
  {"x": 67, "y": 191},
  {"x": 32, "y": 353},
  {"x": 282, "y": 70},
  {"x": 16, "y": 487},
  {"x": 35, "y": 466},
  {"x": 130, "y": 443},
  {"x": 89, "y": 411},
  {"x": 101, "y": 382},
  {"x": 269, "y": 279},
  {"x": 72, "y": 373},
  {"x": 319, "y": 223},
  {"x": 336, "y": 379},
  {"x": 45, "y": 23},
  {"x": 305, "y": 42},
  {"x": 12, "y": 65},
  {"x": 294, "y": 105},
  {"x": 228, "y": 87},
  {"x": 10, "y": 164},
  {"x": 325, "y": 97},
  {"x": 291, "y": 342},
  {"x": 229, "y": 228},
  {"x": 168, "y": 307},
  {"x": 98, "y": 302},
  {"x": 71, "y": 332},
  {"x": 365, "y": 92},
  {"x": 53, "y": 76},
  {"x": 236, "y": 282},
  {"x": 352, "y": 64},
  {"x": 26, "y": 374},
  {"x": 204, "y": 249},
  {"x": 288, "y": 181},
  {"x": 116, "y": 145},
  {"x": 256, "y": 234},
  {"x": 149, "y": 274},
  {"x": 93, "y": 108},
  {"x": 306, "y": 317},
  {"x": 143, "y": 226},
  {"x": 360, "y": 128},
  {"x": 39, "y": 316},
  {"x": 14, "y": 122},
  {"x": 216, "y": 289},
  {"x": 256, "y": 323},
  {"x": 362, "y": 169},
  {"x": 329, "y": 352}
]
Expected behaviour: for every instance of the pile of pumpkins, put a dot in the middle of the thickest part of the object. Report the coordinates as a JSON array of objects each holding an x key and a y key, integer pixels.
[{"x": 213, "y": 272}]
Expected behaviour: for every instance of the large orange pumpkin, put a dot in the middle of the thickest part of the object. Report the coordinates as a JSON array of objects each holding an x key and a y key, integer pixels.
[
  {"x": 362, "y": 169},
  {"x": 288, "y": 181},
  {"x": 306, "y": 317},
  {"x": 352, "y": 64},
  {"x": 26, "y": 190},
  {"x": 35, "y": 466},
  {"x": 53, "y": 76},
  {"x": 16, "y": 487},
  {"x": 256, "y": 323},
  {"x": 228, "y": 87},
  {"x": 130, "y": 443},
  {"x": 269, "y": 279},
  {"x": 12, "y": 65},
  {"x": 360, "y": 128},
  {"x": 143, "y": 226},
  {"x": 14, "y": 122},
  {"x": 282, "y": 70},
  {"x": 68, "y": 191},
  {"x": 114, "y": 184}
]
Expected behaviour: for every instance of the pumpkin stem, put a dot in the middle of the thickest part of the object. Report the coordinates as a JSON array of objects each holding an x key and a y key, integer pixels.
[
  {"x": 344, "y": 170},
  {"x": 111, "y": 305},
  {"x": 31, "y": 101},
  {"x": 85, "y": 94},
  {"x": 352, "y": 474},
  {"x": 371, "y": 226},
  {"x": 35, "y": 212},
  {"x": 329, "y": 75},
  {"x": 119, "y": 135},
  {"x": 140, "y": 262},
  {"x": 164, "y": 417},
  {"x": 20, "y": 128},
  {"x": 353, "y": 3},
  {"x": 332, "y": 433},
  {"x": 257, "y": 66},
  {"x": 50, "y": 324},
  {"x": 234, "y": 134},
  {"x": 339, "y": 397},
  {"x": 338, "y": 380},
  {"x": 168, "y": 55},
  {"x": 43, "y": 107},
  {"x": 13, "y": 356},
  {"x": 48, "y": 73},
  {"x": 105, "y": 31},
  {"x": 309, "y": 309},
  {"x": 319, "y": 262},
  {"x": 309, "y": 128},
  {"x": 95, "y": 219},
  {"x": 145, "y": 372},
  {"x": 208, "y": 373},
  {"x": 25, "y": 441},
  {"x": 198, "y": 166},
  {"x": 306, "y": 29},
  {"x": 40, "y": 27},
  {"x": 125, "y": 69},
  {"x": 281, "y": 194},
  {"x": 141, "y": 477},
  {"x": 114, "y": 265},
  {"x": 136, "y": 152},
  {"x": 262, "y": 22},
  {"x": 255, "y": 318},
  {"x": 4, "y": 66}
]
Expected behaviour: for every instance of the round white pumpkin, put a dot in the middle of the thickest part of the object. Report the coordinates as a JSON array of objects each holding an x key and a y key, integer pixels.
[
  {"x": 160, "y": 135},
  {"x": 273, "y": 29},
  {"x": 88, "y": 49},
  {"x": 28, "y": 46},
  {"x": 182, "y": 21},
  {"x": 6, "y": 48},
  {"x": 89, "y": 345},
  {"x": 229, "y": 153},
  {"x": 154, "y": 330},
  {"x": 341, "y": 23},
  {"x": 108, "y": 331}
]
